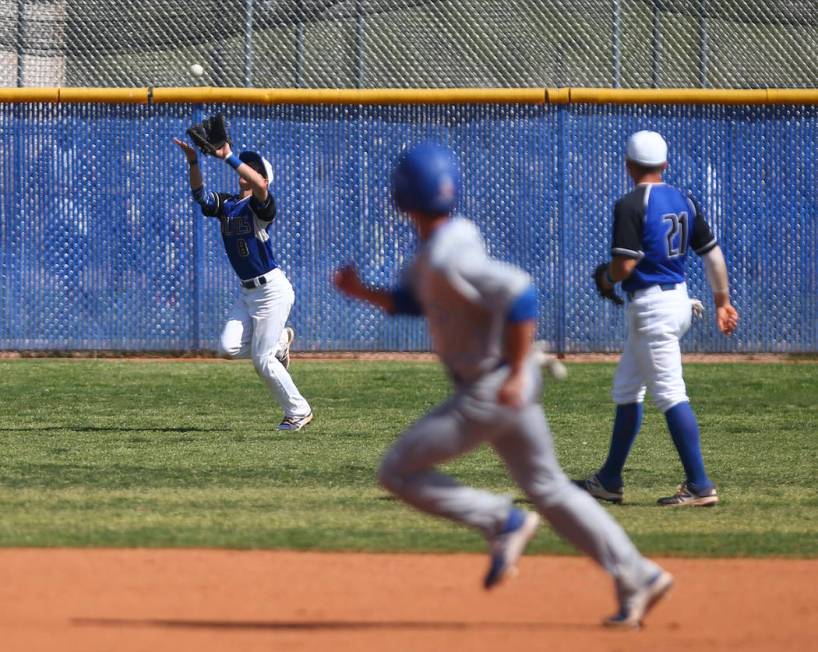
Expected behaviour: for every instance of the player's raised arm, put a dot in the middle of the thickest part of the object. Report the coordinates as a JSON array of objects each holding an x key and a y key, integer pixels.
[
  {"x": 258, "y": 184},
  {"x": 212, "y": 138},
  {"x": 195, "y": 172},
  {"x": 209, "y": 201}
]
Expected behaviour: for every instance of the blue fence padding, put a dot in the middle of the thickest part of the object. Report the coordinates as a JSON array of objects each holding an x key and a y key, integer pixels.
[{"x": 104, "y": 249}]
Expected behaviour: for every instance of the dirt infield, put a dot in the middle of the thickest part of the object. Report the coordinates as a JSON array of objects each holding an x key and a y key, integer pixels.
[{"x": 203, "y": 600}]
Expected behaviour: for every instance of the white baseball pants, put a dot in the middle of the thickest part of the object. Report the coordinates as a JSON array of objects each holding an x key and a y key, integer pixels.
[
  {"x": 255, "y": 329},
  {"x": 656, "y": 321}
]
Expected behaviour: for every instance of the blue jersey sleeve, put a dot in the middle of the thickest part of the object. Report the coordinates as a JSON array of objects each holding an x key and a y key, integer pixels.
[
  {"x": 629, "y": 218},
  {"x": 524, "y": 306},
  {"x": 264, "y": 210},
  {"x": 211, "y": 202},
  {"x": 405, "y": 302},
  {"x": 702, "y": 240}
]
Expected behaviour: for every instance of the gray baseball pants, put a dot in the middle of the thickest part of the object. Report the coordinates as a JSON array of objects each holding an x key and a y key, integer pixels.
[{"x": 521, "y": 437}]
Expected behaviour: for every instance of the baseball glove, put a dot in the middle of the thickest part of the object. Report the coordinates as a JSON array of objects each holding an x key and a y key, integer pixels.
[
  {"x": 606, "y": 292},
  {"x": 210, "y": 135}
]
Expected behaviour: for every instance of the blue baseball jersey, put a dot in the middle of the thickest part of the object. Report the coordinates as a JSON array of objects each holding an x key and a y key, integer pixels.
[
  {"x": 245, "y": 229},
  {"x": 657, "y": 224}
]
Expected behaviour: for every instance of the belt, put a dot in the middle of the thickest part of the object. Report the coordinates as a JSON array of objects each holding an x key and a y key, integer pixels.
[
  {"x": 665, "y": 287},
  {"x": 458, "y": 380},
  {"x": 258, "y": 281}
]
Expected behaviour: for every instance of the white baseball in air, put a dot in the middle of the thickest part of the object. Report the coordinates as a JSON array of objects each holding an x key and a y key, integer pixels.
[
  {"x": 549, "y": 361},
  {"x": 557, "y": 370},
  {"x": 197, "y": 69}
]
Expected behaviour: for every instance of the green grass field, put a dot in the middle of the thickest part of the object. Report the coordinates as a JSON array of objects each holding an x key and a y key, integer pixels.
[{"x": 161, "y": 453}]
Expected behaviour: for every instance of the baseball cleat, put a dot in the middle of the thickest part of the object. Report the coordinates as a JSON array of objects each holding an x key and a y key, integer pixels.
[
  {"x": 685, "y": 496},
  {"x": 594, "y": 486},
  {"x": 635, "y": 605},
  {"x": 295, "y": 423},
  {"x": 283, "y": 356},
  {"x": 507, "y": 547}
]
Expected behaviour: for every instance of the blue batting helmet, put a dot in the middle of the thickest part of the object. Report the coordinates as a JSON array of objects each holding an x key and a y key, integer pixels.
[{"x": 426, "y": 179}]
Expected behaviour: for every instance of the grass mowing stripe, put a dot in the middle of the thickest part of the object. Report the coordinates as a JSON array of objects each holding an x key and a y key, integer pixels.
[{"x": 156, "y": 453}]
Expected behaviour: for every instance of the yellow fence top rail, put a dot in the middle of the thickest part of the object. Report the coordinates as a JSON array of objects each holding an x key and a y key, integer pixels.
[
  {"x": 682, "y": 96},
  {"x": 220, "y": 95},
  {"x": 351, "y": 95}
]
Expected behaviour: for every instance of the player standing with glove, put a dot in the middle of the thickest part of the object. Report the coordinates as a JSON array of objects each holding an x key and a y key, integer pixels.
[
  {"x": 482, "y": 318},
  {"x": 256, "y": 325},
  {"x": 654, "y": 226}
]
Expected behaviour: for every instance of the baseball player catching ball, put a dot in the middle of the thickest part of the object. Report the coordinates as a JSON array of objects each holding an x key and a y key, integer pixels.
[
  {"x": 482, "y": 316},
  {"x": 655, "y": 225},
  {"x": 256, "y": 324}
]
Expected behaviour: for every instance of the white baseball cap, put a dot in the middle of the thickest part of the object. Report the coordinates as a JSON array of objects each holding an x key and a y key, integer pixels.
[
  {"x": 257, "y": 162},
  {"x": 646, "y": 148}
]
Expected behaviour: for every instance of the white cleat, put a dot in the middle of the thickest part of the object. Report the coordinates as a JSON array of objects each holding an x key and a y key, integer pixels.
[
  {"x": 295, "y": 423},
  {"x": 685, "y": 496},
  {"x": 508, "y": 546},
  {"x": 635, "y": 605},
  {"x": 283, "y": 356}
]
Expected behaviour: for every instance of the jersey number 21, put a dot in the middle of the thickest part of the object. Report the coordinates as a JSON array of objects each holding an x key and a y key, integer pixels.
[{"x": 678, "y": 226}]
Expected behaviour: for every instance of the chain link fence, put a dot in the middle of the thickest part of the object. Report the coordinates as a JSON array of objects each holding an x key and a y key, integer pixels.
[
  {"x": 105, "y": 249},
  {"x": 410, "y": 43}
]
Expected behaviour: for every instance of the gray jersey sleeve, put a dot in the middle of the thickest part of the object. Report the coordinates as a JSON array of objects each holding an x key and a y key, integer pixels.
[{"x": 478, "y": 278}]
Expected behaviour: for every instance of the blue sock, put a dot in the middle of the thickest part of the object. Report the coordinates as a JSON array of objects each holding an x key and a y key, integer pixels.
[
  {"x": 685, "y": 433},
  {"x": 627, "y": 422},
  {"x": 514, "y": 521}
]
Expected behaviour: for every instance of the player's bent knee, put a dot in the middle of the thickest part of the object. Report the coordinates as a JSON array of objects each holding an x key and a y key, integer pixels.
[
  {"x": 392, "y": 474},
  {"x": 262, "y": 363},
  {"x": 626, "y": 395},
  {"x": 666, "y": 397},
  {"x": 228, "y": 349},
  {"x": 388, "y": 477},
  {"x": 665, "y": 403},
  {"x": 545, "y": 501},
  {"x": 552, "y": 494}
]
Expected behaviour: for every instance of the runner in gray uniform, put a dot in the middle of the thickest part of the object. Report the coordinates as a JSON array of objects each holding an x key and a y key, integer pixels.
[{"x": 482, "y": 319}]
